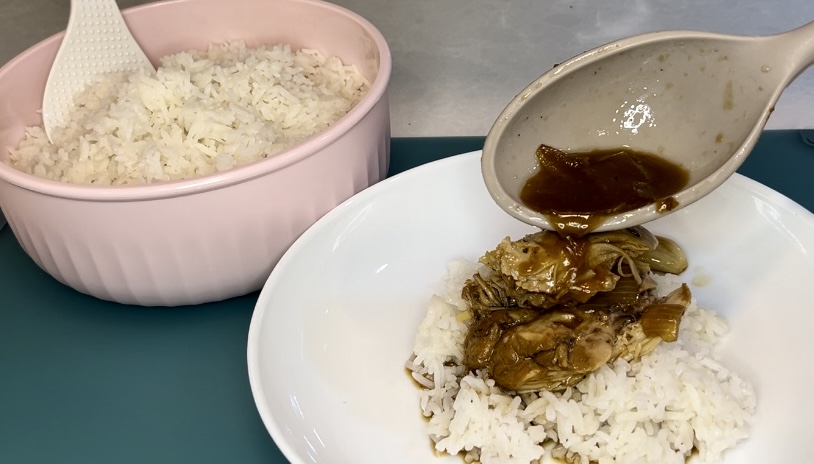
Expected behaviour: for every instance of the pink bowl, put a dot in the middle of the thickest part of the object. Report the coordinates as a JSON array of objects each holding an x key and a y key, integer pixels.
[{"x": 212, "y": 237}]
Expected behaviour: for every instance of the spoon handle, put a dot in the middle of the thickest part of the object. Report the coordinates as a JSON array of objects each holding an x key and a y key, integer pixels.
[{"x": 797, "y": 47}]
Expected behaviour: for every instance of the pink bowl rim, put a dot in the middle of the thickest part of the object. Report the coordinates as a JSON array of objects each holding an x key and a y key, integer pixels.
[{"x": 223, "y": 179}]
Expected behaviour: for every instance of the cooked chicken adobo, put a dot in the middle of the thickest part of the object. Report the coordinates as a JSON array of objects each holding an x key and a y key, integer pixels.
[{"x": 550, "y": 309}]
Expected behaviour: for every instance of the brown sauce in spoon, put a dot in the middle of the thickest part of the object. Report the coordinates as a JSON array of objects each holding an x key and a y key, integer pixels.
[{"x": 577, "y": 192}]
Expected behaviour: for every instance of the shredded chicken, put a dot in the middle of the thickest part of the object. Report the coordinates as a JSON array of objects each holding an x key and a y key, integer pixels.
[{"x": 552, "y": 309}]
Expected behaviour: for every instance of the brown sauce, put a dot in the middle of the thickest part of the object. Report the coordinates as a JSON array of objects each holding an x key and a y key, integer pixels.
[
  {"x": 569, "y": 249},
  {"x": 578, "y": 191}
]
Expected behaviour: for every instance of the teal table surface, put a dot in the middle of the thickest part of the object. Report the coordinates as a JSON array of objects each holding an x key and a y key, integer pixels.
[{"x": 88, "y": 381}]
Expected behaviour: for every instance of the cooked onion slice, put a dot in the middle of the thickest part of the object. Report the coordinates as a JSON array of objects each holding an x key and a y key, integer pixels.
[
  {"x": 667, "y": 257},
  {"x": 662, "y": 320}
]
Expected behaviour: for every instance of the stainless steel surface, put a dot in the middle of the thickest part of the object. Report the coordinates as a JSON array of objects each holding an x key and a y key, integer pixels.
[{"x": 458, "y": 62}]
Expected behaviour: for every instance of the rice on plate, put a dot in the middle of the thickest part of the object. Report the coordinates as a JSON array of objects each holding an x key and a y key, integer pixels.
[
  {"x": 203, "y": 112},
  {"x": 675, "y": 402}
]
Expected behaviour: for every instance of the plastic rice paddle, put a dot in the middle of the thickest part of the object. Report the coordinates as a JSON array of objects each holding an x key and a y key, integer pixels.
[{"x": 96, "y": 42}]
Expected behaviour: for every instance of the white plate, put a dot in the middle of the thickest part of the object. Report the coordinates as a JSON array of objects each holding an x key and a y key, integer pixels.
[{"x": 336, "y": 320}]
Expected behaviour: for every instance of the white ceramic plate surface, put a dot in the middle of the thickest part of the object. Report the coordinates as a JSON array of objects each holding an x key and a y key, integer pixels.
[{"x": 336, "y": 320}]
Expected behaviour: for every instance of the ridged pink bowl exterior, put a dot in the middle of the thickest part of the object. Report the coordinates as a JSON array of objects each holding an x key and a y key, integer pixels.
[{"x": 218, "y": 236}]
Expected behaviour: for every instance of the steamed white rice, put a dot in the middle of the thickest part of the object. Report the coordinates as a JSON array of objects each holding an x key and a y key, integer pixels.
[
  {"x": 203, "y": 112},
  {"x": 675, "y": 401}
]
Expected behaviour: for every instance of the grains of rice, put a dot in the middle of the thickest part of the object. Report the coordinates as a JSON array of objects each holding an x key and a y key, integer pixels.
[
  {"x": 203, "y": 112},
  {"x": 676, "y": 400}
]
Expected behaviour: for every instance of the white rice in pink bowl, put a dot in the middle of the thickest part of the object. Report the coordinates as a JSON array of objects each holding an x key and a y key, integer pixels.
[
  {"x": 203, "y": 112},
  {"x": 676, "y": 404},
  {"x": 160, "y": 199}
]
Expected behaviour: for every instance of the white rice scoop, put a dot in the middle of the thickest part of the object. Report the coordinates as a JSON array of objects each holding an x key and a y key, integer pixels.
[{"x": 96, "y": 42}]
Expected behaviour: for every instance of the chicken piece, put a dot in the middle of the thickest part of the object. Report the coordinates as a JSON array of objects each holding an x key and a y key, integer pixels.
[
  {"x": 552, "y": 309},
  {"x": 485, "y": 332},
  {"x": 547, "y": 269},
  {"x": 553, "y": 352},
  {"x": 559, "y": 348}
]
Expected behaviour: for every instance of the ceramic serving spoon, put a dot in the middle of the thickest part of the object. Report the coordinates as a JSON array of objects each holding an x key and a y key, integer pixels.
[
  {"x": 96, "y": 42},
  {"x": 697, "y": 99}
]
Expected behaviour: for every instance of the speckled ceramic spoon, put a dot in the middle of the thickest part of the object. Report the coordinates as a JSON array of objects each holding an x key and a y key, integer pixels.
[
  {"x": 697, "y": 99},
  {"x": 96, "y": 42}
]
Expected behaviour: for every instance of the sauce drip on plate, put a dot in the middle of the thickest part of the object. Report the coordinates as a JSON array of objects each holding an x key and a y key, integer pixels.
[{"x": 578, "y": 191}]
